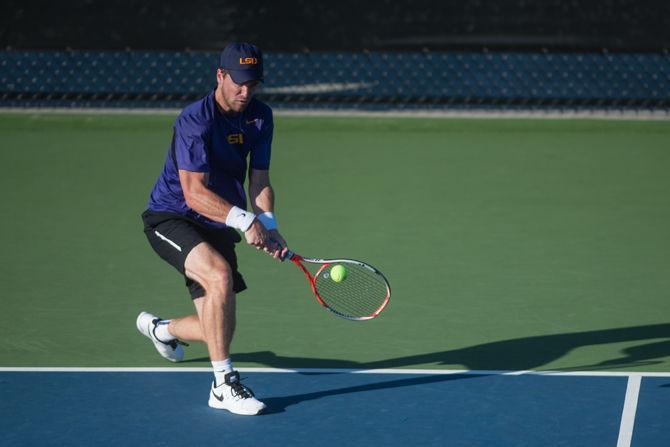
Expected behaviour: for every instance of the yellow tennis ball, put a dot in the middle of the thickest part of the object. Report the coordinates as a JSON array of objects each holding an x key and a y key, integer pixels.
[{"x": 338, "y": 273}]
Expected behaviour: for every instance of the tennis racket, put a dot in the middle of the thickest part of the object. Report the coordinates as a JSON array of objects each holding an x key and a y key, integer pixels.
[{"x": 361, "y": 295}]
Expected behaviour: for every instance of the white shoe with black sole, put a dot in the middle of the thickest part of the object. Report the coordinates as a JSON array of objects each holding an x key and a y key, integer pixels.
[
  {"x": 171, "y": 350},
  {"x": 234, "y": 397}
]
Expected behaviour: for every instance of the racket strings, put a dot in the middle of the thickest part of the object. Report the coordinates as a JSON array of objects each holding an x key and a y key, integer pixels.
[{"x": 359, "y": 295}]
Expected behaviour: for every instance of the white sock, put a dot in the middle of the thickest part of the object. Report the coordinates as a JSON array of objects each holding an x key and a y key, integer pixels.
[
  {"x": 221, "y": 368},
  {"x": 162, "y": 333}
]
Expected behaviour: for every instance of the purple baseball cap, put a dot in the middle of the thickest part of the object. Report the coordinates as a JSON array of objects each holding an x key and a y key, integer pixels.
[{"x": 243, "y": 61}]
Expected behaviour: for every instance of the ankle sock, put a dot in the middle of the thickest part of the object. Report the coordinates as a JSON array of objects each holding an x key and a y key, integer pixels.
[
  {"x": 162, "y": 333},
  {"x": 221, "y": 368}
]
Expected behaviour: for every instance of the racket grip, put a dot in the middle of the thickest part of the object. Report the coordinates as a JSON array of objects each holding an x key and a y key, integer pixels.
[{"x": 289, "y": 253}]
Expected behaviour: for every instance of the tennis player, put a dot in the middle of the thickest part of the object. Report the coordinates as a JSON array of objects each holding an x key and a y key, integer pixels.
[{"x": 198, "y": 208}]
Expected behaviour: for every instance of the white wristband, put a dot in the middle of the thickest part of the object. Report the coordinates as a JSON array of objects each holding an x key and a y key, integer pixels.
[
  {"x": 268, "y": 220},
  {"x": 240, "y": 219}
]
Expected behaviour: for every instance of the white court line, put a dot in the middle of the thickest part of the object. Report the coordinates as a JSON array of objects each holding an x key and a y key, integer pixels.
[
  {"x": 595, "y": 114},
  {"x": 177, "y": 369},
  {"x": 629, "y": 410}
]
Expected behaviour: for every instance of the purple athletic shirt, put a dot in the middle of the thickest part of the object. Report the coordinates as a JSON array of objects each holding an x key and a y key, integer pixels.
[{"x": 206, "y": 140}]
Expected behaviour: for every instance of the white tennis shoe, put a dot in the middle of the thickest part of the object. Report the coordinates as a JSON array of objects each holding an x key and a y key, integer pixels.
[
  {"x": 234, "y": 397},
  {"x": 172, "y": 350}
]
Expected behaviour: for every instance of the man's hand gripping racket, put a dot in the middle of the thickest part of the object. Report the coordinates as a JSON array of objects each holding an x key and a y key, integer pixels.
[{"x": 350, "y": 289}]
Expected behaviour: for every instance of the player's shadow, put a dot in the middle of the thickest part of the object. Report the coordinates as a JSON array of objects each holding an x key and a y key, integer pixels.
[
  {"x": 520, "y": 354},
  {"x": 279, "y": 404}
]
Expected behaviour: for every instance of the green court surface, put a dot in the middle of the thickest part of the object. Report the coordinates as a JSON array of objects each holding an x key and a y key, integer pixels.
[{"x": 509, "y": 244}]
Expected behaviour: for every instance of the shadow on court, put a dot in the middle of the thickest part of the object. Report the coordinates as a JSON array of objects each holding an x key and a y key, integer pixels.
[
  {"x": 279, "y": 404},
  {"x": 516, "y": 354}
]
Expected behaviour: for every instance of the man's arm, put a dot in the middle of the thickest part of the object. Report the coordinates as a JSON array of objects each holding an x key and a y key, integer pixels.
[
  {"x": 262, "y": 202},
  {"x": 204, "y": 201},
  {"x": 260, "y": 192}
]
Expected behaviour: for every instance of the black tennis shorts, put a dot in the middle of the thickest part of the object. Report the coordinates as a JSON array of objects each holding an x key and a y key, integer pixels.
[{"x": 173, "y": 237}]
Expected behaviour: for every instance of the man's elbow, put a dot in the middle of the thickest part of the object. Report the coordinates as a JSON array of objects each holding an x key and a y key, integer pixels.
[{"x": 190, "y": 197}]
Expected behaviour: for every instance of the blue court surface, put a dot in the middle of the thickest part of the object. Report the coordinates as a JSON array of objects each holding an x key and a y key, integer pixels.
[{"x": 159, "y": 407}]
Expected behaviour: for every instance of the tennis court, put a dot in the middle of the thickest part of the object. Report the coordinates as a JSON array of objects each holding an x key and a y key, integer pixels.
[{"x": 511, "y": 245}]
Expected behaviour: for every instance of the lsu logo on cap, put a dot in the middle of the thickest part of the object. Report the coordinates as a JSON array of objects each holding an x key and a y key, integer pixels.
[{"x": 248, "y": 61}]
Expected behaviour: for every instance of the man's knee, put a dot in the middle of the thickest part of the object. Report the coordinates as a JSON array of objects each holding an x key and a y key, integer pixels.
[
  {"x": 207, "y": 267},
  {"x": 219, "y": 281}
]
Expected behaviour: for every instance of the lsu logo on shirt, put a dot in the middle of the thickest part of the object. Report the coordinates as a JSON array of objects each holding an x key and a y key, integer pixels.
[{"x": 236, "y": 138}]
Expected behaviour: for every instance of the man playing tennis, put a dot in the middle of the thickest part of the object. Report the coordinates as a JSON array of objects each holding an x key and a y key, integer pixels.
[{"x": 196, "y": 207}]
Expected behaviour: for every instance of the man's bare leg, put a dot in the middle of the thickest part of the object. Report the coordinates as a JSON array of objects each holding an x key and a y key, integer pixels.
[
  {"x": 216, "y": 310},
  {"x": 187, "y": 328},
  {"x": 216, "y": 319}
]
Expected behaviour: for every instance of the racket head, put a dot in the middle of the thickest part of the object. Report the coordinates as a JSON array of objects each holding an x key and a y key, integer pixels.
[{"x": 362, "y": 295}]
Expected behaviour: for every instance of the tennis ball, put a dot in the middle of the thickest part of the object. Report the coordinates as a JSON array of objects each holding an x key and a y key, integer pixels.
[{"x": 338, "y": 273}]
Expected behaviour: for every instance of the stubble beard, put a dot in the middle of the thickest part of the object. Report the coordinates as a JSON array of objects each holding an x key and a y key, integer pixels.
[{"x": 229, "y": 106}]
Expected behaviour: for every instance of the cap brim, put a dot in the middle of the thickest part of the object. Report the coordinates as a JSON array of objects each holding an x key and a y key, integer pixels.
[{"x": 242, "y": 76}]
